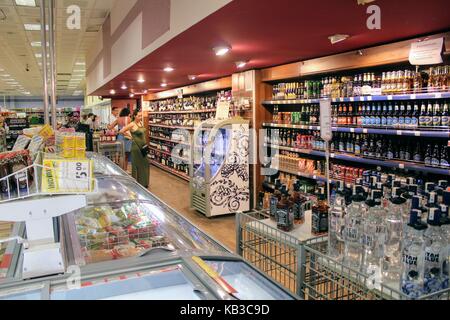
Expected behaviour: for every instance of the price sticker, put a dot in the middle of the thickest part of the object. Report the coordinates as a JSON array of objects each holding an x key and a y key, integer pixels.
[
  {"x": 365, "y": 131},
  {"x": 417, "y": 133},
  {"x": 352, "y": 130},
  {"x": 334, "y": 100},
  {"x": 438, "y": 95},
  {"x": 399, "y": 132},
  {"x": 362, "y": 99},
  {"x": 413, "y": 97},
  {"x": 401, "y": 166},
  {"x": 332, "y": 155},
  {"x": 352, "y": 99},
  {"x": 390, "y": 97},
  {"x": 369, "y": 98},
  {"x": 314, "y": 177}
]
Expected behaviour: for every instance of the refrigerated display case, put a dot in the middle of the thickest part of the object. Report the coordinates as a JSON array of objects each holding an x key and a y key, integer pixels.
[
  {"x": 220, "y": 178},
  {"x": 128, "y": 244}
]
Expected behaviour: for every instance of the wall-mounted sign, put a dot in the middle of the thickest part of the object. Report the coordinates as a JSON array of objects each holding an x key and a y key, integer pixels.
[{"x": 426, "y": 52}]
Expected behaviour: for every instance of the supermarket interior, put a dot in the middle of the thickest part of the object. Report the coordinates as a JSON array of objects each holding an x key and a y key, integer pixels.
[{"x": 224, "y": 150}]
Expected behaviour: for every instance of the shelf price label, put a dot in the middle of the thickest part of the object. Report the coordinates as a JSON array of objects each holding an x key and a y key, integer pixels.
[{"x": 325, "y": 120}]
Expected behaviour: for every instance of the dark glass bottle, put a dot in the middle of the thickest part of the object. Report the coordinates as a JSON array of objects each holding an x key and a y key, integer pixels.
[
  {"x": 435, "y": 156},
  {"x": 319, "y": 220},
  {"x": 445, "y": 156},
  {"x": 285, "y": 212},
  {"x": 428, "y": 155},
  {"x": 417, "y": 154},
  {"x": 274, "y": 199}
]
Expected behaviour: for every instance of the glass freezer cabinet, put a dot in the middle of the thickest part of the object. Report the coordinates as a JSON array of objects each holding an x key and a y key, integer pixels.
[
  {"x": 128, "y": 244},
  {"x": 220, "y": 179}
]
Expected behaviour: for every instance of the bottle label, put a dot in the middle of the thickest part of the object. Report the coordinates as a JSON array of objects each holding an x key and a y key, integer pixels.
[
  {"x": 428, "y": 121},
  {"x": 445, "y": 121},
  {"x": 352, "y": 234},
  {"x": 409, "y": 260},
  {"x": 357, "y": 149},
  {"x": 401, "y": 121},
  {"x": 444, "y": 163},
  {"x": 394, "y": 121},
  {"x": 389, "y": 121},
  {"x": 390, "y": 155},
  {"x": 407, "y": 121},
  {"x": 436, "y": 121},
  {"x": 273, "y": 206},
  {"x": 431, "y": 256},
  {"x": 414, "y": 121},
  {"x": 434, "y": 162},
  {"x": 422, "y": 121},
  {"x": 383, "y": 121}
]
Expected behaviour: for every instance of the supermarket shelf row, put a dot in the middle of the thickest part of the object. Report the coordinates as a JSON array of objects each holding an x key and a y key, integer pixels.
[
  {"x": 396, "y": 97},
  {"x": 169, "y": 154},
  {"x": 183, "y": 111},
  {"x": 377, "y": 162},
  {"x": 169, "y": 140},
  {"x": 170, "y": 170},
  {"x": 171, "y": 127},
  {"x": 419, "y": 132}
]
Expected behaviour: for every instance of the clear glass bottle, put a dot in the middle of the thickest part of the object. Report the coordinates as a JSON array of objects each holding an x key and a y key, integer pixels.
[
  {"x": 353, "y": 231},
  {"x": 394, "y": 234},
  {"x": 413, "y": 255},
  {"x": 337, "y": 224},
  {"x": 373, "y": 239},
  {"x": 435, "y": 253}
]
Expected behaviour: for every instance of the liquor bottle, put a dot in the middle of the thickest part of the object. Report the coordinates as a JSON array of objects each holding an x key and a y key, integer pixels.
[
  {"x": 353, "y": 230},
  {"x": 445, "y": 119},
  {"x": 436, "y": 156},
  {"x": 394, "y": 230},
  {"x": 401, "y": 116},
  {"x": 415, "y": 117},
  {"x": 274, "y": 199},
  {"x": 445, "y": 156},
  {"x": 357, "y": 146},
  {"x": 299, "y": 201},
  {"x": 378, "y": 115},
  {"x": 428, "y": 155},
  {"x": 384, "y": 115},
  {"x": 349, "y": 147},
  {"x": 429, "y": 116},
  {"x": 337, "y": 223},
  {"x": 379, "y": 148},
  {"x": 435, "y": 253},
  {"x": 390, "y": 115},
  {"x": 436, "y": 115},
  {"x": 396, "y": 116},
  {"x": 408, "y": 115},
  {"x": 373, "y": 238},
  {"x": 423, "y": 115},
  {"x": 319, "y": 219},
  {"x": 413, "y": 249},
  {"x": 285, "y": 213},
  {"x": 342, "y": 142}
]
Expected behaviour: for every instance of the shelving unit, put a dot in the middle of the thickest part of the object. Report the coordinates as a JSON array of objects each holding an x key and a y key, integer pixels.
[{"x": 207, "y": 89}]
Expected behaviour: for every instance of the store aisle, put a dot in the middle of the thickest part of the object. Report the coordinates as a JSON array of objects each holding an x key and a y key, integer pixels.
[{"x": 175, "y": 192}]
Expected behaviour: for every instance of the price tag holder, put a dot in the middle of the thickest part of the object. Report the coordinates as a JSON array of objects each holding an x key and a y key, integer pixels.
[
  {"x": 417, "y": 133},
  {"x": 401, "y": 166},
  {"x": 390, "y": 97},
  {"x": 352, "y": 130},
  {"x": 352, "y": 99},
  {"x": 332, "y": 155},
  {"x": 365, "y": 131},
  {"x": 399, "y": 132},
  {"x": 325, "y": 120},
  {"x": 369, "y": 98},
  {"x": 413, "y": 97},
  {"x": 438, "y": 95}
]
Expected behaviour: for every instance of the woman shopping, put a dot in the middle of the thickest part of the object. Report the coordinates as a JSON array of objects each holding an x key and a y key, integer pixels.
[
  {"x": 140, "y": 166},
  {"x": 121, "y": 122}
]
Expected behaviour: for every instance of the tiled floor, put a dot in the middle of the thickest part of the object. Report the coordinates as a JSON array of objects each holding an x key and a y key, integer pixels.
[{"x": 175, "y": 192}]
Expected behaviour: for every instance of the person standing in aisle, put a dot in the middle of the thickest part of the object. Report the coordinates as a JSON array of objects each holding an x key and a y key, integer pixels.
[
  {"x": 139, "y": 150},
  {"x": 122, "y": 121},
  {"x": 115, "y": 114}
]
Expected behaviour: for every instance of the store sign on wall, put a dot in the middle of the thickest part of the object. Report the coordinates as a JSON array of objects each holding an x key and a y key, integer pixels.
[{"x": 426, "y": 52}]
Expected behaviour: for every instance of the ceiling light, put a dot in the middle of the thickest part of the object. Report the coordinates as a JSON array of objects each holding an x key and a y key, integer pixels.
[
  {"x": 338, "y": 38},
  {"x": 28, "y": 3},
  {"x": 145, "y": 91},
  {"x": 112, "y": 91},
  {"x": 4, "y": 75},
  {"x": 221, "y": 51},
  {"x": 123, "y": 87},
  {"x": 141, "y": 80},
  {"x": 192, "y": 77},
  {"x": 168, "y": 69},
  {"x": 241, "y": 64},
  {"x": 163, "y": 85},
  {"x": 38, "y": 55},
  {"x": 79, "y": 71},
  {"x": 131, "y": 95},
  {"x": 33, "y": 26}
]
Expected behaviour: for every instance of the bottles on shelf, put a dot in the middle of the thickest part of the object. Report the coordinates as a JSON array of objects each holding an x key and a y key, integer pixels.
[
  {"x": 167, "y": 161},
  {"x": 291, "y": 162},
  {"x": 365, "y": 84},
  {"x": 308, "y": 115},
  {"x": 433, "y": 153},
  {"x": 295, "y": 138},
  {"x": 395, "y": 231}
]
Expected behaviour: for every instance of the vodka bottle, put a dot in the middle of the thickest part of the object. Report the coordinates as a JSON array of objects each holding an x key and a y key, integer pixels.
[
  {"x": 337, "y": 223},
  {"x": 413, "y": 255},
  {"x": 446, "y": 230},
  {"x": 394, "y": 233},
  {"x": 435, "y": 253},
  {"x": 373, "y": 238},
  {"x": 353, "y": 229}
]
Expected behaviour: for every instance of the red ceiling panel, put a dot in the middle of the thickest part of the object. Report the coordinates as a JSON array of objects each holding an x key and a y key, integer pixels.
[{"x": 275, "y": 32}]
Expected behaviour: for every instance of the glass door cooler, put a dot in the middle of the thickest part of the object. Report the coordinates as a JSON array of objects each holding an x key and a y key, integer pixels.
[
  {"x": 220, "y": 182},
  {"x": 128, "y": 244}
]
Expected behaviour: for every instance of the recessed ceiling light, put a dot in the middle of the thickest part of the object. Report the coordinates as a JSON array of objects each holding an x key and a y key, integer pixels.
[
  {"x": 141, "y": 80},
  {"x": 163, "y": 85},
  {"x": 168, "y": 69},
  {"x": 221, "y": 51},
  {"x": 112, "y": 91},
  {"x": 123, "y": 87},
  {"x": 145, "y": 91},
  {"x": 338, "y": 38},
  {"x": 28, "y": 3},
  {"x": 192, "y": 77},
  {"x": 241, "y": 64},
  {"x": 131, "y": 95}
]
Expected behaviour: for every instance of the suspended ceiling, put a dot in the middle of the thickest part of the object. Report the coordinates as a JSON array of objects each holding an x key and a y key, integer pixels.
[{"x": 16, "y": 50}]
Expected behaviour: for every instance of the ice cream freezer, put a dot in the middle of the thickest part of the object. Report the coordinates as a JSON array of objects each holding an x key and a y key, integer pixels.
[{"x": 128, "y": 244}]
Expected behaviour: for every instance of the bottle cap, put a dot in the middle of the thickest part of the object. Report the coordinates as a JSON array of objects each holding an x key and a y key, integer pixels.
[
  {"x": 443, "y": 184},
  {"x": 414, "y": 217},
  {"x": 413, "y": 188},
  {"x": 397, "y": 184},
  {"x": 434, "y": 217},
  {"x": 415, "y": 204},
  {"x": 429, "y": 186},
  {"x": 371, "y": 203},
  {"x": 379, "y": 186},
  {"x": 410, "y": 180},
  {"x": 376, "y": 194},
  {"x": 444, "y": 210}
]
